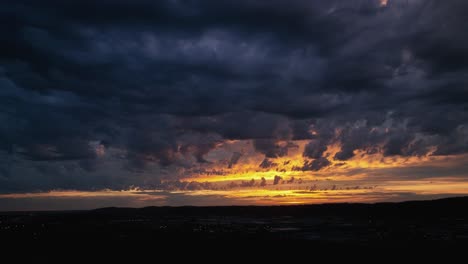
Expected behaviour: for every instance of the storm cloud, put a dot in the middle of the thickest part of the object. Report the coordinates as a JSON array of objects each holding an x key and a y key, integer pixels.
[{"x": 142, "y": 87}]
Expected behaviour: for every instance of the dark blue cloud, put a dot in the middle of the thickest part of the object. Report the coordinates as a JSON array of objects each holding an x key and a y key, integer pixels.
[{"x": 163, "y": 79}]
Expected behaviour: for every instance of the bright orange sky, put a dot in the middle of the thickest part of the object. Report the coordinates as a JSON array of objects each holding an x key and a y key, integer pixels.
[{"x": 363, "y": 178}]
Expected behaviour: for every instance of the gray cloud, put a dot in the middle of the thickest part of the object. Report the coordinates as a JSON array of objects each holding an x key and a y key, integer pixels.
[
  {"x": 163, "y": 82},
  {"x": 316, "y": 164}
]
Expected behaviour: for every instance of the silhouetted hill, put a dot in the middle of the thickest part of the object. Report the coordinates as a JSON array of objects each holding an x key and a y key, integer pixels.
[
  {"x": 416, "y": 208},
  {"x": 441, "y": 222}
]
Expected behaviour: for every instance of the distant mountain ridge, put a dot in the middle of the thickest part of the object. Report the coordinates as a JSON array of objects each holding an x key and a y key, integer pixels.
[{"x": 439, "y": 205}]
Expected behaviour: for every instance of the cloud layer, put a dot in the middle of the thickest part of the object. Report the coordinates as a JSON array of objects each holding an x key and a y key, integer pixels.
[{"x": 112, "y": 94}]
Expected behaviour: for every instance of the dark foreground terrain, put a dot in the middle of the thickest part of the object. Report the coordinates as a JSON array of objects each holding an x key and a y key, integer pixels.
[{"x": 437, "y": 222}]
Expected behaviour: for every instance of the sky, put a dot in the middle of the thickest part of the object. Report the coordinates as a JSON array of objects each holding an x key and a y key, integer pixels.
[{"x": 220, "y": 102}]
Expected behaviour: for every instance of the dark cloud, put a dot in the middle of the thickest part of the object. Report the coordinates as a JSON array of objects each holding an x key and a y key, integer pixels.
[
  {"x": 316, "y": 164},
  {"x": 270, "y": 148},
  {"x": 162, "y": 83},
  {"x": 234, "y": 159},
  {"x": 267, "y": 163},
  {"x": 263, "y": 182},
  {"x": 315, "y": 149},
  {"x": 277, "y": 180}
]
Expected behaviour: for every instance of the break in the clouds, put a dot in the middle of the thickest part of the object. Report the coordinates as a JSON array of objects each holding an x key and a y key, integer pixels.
[{"x": 121, "y": 94}]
